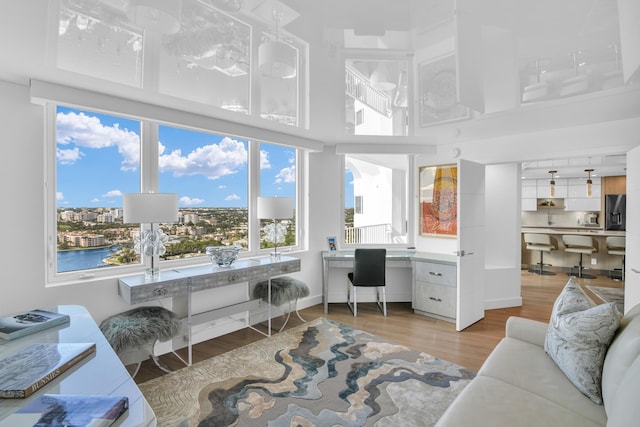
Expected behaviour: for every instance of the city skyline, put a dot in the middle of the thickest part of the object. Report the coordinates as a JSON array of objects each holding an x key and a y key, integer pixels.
[{"x": 98, "y": 160}]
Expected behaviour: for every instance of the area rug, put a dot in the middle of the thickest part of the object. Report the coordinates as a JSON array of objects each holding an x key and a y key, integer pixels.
[
  {"x": 607, "y": 294},
  {"x": 321, "y": 373}
]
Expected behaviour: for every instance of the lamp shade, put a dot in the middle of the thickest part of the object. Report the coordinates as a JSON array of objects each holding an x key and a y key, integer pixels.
[
  {"x": 275, "y": 207},
  {"x": 150, "y": 207},
  {"x": 277, "y": 59}
]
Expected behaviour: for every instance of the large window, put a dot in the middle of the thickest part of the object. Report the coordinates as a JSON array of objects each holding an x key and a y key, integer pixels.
[
  {"x": 97, "y": 160},
  {"x": 376, "y": 189},
  {"x": 278, "y": 178},
  {"x": 99, "y": 157}
]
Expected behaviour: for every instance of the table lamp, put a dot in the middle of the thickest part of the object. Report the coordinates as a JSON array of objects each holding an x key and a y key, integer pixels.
[
  {"x": 275, "y": 208},
  {"x": 150, "y": 208}
]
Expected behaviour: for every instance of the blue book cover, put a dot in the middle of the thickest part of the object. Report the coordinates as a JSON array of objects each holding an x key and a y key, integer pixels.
[{"x": 62, "y": 410}]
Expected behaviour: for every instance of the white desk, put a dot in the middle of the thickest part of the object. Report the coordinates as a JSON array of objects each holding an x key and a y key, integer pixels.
[
  {"x": 183, "y": 282},
  {"x": 403, "y": 258},
  {"x": 100, "y": 373}
]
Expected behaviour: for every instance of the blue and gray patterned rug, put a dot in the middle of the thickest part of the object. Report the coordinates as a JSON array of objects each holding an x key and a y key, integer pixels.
[{"x": 321, "y": 373}]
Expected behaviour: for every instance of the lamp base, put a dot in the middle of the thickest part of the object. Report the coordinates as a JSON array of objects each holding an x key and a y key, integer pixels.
[
  {"x": 275, "y": 257},
  {"x": 152, "y": 273}
]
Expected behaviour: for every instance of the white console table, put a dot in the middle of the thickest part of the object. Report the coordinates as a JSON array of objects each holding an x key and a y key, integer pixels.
[
  {"x": 182, "y": 282},
  {"x": 100, "y": 373}
]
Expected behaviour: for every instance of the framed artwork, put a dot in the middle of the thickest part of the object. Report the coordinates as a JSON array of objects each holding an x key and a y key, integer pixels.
[
  {"x": 331, "y": 241},
  {"x": 438, "y": 92},
  {"x": 438, "y": 198}
]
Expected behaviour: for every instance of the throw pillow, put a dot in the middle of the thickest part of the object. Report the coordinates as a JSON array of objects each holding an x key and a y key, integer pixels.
[{"x": 578, "y": 337}]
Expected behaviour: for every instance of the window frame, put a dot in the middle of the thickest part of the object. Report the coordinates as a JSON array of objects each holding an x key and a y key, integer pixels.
[{"x": 149, "y": 177}]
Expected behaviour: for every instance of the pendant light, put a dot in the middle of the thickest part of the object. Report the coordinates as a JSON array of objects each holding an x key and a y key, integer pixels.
[
  {"x": 276, "y": 58},
  {"x": 552, "y": 185},
  {"x": 589, "y": 183}
]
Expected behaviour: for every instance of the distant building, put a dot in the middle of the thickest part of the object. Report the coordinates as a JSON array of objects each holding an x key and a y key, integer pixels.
[{"x": 106, "y": 218}]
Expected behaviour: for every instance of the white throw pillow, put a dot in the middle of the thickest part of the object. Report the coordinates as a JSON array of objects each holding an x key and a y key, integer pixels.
[{"x": 578, "y": 337}]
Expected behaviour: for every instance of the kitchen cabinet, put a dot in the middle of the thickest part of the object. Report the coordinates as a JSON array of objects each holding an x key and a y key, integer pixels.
[
  {"x": 435, "y": 289},
  {"x": 529, "y": 195},
  {"x": 577, "y": 199}
]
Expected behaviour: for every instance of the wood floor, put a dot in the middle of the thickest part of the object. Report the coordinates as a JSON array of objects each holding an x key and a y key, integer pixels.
[{"x": 468, "y": 348}]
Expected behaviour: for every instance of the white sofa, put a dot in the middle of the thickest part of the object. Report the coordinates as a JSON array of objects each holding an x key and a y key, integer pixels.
[{"x": 520, "y": 385}]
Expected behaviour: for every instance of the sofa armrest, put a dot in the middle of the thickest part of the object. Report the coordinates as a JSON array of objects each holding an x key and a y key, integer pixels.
[{"x": 527, "y": 330}]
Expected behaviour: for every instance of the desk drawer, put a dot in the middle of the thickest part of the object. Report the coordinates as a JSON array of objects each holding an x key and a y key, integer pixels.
[
  {"x": 285, "y": 267},
  {"x": 436, "y": 299},
  {"x": 441, "y": 274}
]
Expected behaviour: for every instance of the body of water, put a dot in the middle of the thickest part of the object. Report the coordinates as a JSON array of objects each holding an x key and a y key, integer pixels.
[{"x": 82, "y": 259}]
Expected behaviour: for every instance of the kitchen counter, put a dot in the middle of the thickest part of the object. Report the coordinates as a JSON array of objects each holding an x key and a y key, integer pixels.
[
  {"x": 586, "y": 231},
  {"x": 600, "y": 261}
]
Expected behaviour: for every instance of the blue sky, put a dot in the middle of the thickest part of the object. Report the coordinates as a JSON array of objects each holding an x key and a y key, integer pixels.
[{"x": 98, "y": 159}]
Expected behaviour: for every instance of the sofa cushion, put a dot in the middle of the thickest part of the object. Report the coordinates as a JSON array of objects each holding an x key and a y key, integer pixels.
[
  {"x": 490, "y": 402},
  {"x": 578, "y": 337},
  {"x": 623, "y": 351},
  {"x": 528, "y": 367}
]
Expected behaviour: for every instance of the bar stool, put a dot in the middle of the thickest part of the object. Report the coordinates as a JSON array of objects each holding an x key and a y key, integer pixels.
[
  {"x": 616, "y": 245},
  {"x": 579, "y": 245},
  {"x": 542, "y": 243}
]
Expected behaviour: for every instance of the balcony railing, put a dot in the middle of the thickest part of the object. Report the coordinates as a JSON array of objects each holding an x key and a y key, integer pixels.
[
  {"x": 357, "y": 86},
  {"x": 374, "y": 234}
]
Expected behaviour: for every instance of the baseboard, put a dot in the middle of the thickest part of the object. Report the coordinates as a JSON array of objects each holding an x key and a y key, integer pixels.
[{"x": 502, "y": 303}]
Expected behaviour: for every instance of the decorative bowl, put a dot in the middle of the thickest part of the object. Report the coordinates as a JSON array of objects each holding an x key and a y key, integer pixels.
[{"x": 223, "y": 256}]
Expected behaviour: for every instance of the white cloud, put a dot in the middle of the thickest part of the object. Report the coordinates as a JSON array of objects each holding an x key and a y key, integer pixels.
[
  {"x": 221, "y": 187},
  {"x": 113, "y": 193},
  {"x": 68, "y": 157},
  {"x": 188, "y": 201},
  {"x": 264, "y": 160},
  {"x": 95, "y": 200},
  {"x": 212, "y": 161},
  {"x": 87, "y": 131},
  {"x": 59, "y": 195},
  {"x": 233, "y": 196},
  {"x": 287, "y": 175}
]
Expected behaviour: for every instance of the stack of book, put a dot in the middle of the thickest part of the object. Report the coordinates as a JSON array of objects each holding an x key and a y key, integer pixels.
[{"x": 29, "y": 368}]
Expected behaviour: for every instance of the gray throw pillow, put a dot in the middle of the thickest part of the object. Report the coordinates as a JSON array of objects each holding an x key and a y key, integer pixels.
[{"x": 578, "y": 337}]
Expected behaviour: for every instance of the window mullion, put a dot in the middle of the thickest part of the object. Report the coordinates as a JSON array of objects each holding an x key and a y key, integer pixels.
[{"x": 254, "y": 192}]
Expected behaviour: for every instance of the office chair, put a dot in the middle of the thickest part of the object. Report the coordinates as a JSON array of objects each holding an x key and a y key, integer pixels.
[{"x": 369, "y": 270}]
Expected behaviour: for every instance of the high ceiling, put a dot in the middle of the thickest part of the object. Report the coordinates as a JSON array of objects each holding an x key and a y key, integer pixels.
[{"x": 544, "y": 36}]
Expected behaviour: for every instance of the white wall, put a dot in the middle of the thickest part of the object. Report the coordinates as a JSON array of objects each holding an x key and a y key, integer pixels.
[{"x": 502, "y": 230}]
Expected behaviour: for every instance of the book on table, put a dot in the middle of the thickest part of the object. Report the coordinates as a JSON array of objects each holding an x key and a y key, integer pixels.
[
  {"x": 27, "y": 322},
  {"x": 57, "y": 410},
  {"x": 25, "y": 371}
]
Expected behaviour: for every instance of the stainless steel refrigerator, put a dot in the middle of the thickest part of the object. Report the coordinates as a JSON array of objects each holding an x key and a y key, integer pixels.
[{"x": 615, "y": 211}]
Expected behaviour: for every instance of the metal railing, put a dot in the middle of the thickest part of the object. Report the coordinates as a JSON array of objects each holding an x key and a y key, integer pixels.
[
  {"x": 378, "y": 233},
  {"x": 357, "y": 86}
]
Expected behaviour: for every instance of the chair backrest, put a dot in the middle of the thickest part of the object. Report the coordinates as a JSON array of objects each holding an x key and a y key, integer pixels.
[
  {"x": 537, "y": 239},
  {"x": 573, "y": 240},
  {"x": 369, "y": 267},
  {"x": 616, "y": 242}
]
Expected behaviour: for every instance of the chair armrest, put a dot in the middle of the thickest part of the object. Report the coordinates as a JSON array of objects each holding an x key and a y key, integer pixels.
[{"x": 528, "y": 330}]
